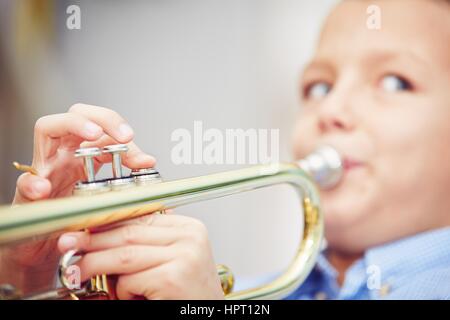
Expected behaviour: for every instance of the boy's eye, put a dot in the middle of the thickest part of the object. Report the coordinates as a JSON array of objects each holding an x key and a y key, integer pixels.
[
  {"x": 393, "y": 83},
  {"x": 317, "y": 90}
]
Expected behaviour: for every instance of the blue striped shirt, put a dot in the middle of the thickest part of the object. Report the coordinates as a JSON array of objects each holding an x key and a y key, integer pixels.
[{"x": 416, "y": 267}]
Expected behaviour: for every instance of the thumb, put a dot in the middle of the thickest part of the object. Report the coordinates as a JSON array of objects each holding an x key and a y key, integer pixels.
[{"x": 31, "y": 188}]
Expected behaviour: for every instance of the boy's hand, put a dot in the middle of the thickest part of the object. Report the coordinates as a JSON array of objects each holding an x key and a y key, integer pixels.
[
  {"x": 56, "y": 137},
  {"x": 155, "y": 257}
]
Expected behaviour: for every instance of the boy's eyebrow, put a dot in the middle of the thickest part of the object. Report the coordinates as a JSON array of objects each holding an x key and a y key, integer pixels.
[
  {"x": 372, "y": 58},
  {"x": 317, "y": 64},
  {"x": 388, "y": 56}
]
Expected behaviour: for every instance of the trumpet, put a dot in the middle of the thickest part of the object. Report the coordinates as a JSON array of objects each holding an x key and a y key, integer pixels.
[{"x": 101, "y": 202}]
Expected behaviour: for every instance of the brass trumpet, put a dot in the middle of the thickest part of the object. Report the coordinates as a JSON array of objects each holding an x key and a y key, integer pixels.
[{"x": 143, "y": 192}]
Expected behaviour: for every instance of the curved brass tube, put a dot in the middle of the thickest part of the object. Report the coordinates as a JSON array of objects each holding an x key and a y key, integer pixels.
[{"x": 77, "y": 213}]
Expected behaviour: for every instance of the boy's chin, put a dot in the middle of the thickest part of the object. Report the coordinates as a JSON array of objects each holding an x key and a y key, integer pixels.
[
  {"x": 338, "y": 218},
  {"x": 342, "y": 215},
  {"x": 348, "y": 203}
]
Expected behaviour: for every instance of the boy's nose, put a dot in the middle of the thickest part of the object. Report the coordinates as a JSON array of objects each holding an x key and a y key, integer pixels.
[
  {"x": 329, "y": 124},
  {"x": 335, "y": 115}
]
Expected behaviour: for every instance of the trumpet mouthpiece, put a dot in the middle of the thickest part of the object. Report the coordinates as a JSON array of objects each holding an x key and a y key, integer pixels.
[{"x": 324, "y": 165}]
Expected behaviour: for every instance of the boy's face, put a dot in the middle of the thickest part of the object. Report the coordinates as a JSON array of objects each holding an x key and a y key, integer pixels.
[{"x": 382, "y": 98}]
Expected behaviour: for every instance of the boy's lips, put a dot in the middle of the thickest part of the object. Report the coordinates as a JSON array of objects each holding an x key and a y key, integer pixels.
[{"x": 349, "y": 163}]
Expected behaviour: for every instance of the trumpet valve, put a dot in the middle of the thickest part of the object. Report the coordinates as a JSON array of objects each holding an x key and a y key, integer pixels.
[
  {"x": 88, "y": 154},
  {"x": 116, "y": 151},
  {"x": 146, "y": 176},
  {"x": 90, "y": 186},
  {"x": 119, "y": 181}
]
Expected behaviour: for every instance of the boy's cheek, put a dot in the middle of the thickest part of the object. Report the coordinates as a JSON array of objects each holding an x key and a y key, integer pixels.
[
  {"x": 305, "y": 138},
  {"x": 401, "y": 184}
]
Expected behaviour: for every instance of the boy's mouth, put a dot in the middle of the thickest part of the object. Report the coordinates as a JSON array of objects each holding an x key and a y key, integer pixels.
[{"x": 350, "y": 164}]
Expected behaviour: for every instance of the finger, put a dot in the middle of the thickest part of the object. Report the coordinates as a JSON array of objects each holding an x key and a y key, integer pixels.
[
  {"x": 141, "y": 284},
  {"x": 59, "y": 126},
  {"x": 135, "y": 158},
  {"x": 122, "y": 236},
  {"x": 31, "y": 187},
  {"x": 63, "y": 124},
  {"x": 111, "y": 122},
  {"x": 79, "y": 240},
  {"x": 69, "y": 241},
  {"x": 123, "y": 260}
]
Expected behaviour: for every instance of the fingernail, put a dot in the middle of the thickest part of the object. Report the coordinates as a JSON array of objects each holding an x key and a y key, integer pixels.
[
  {"x": 125, "y": 131},
  {"x": 68, "y": 242},
  {"x": 92, "y": 129}
]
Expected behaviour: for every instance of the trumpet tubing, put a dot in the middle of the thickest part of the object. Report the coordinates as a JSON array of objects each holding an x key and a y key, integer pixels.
[{"x": 142, "y": 193}]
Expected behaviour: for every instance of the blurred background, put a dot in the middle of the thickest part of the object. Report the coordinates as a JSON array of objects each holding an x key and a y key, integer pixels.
[{"x": 164, "y": 64}]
